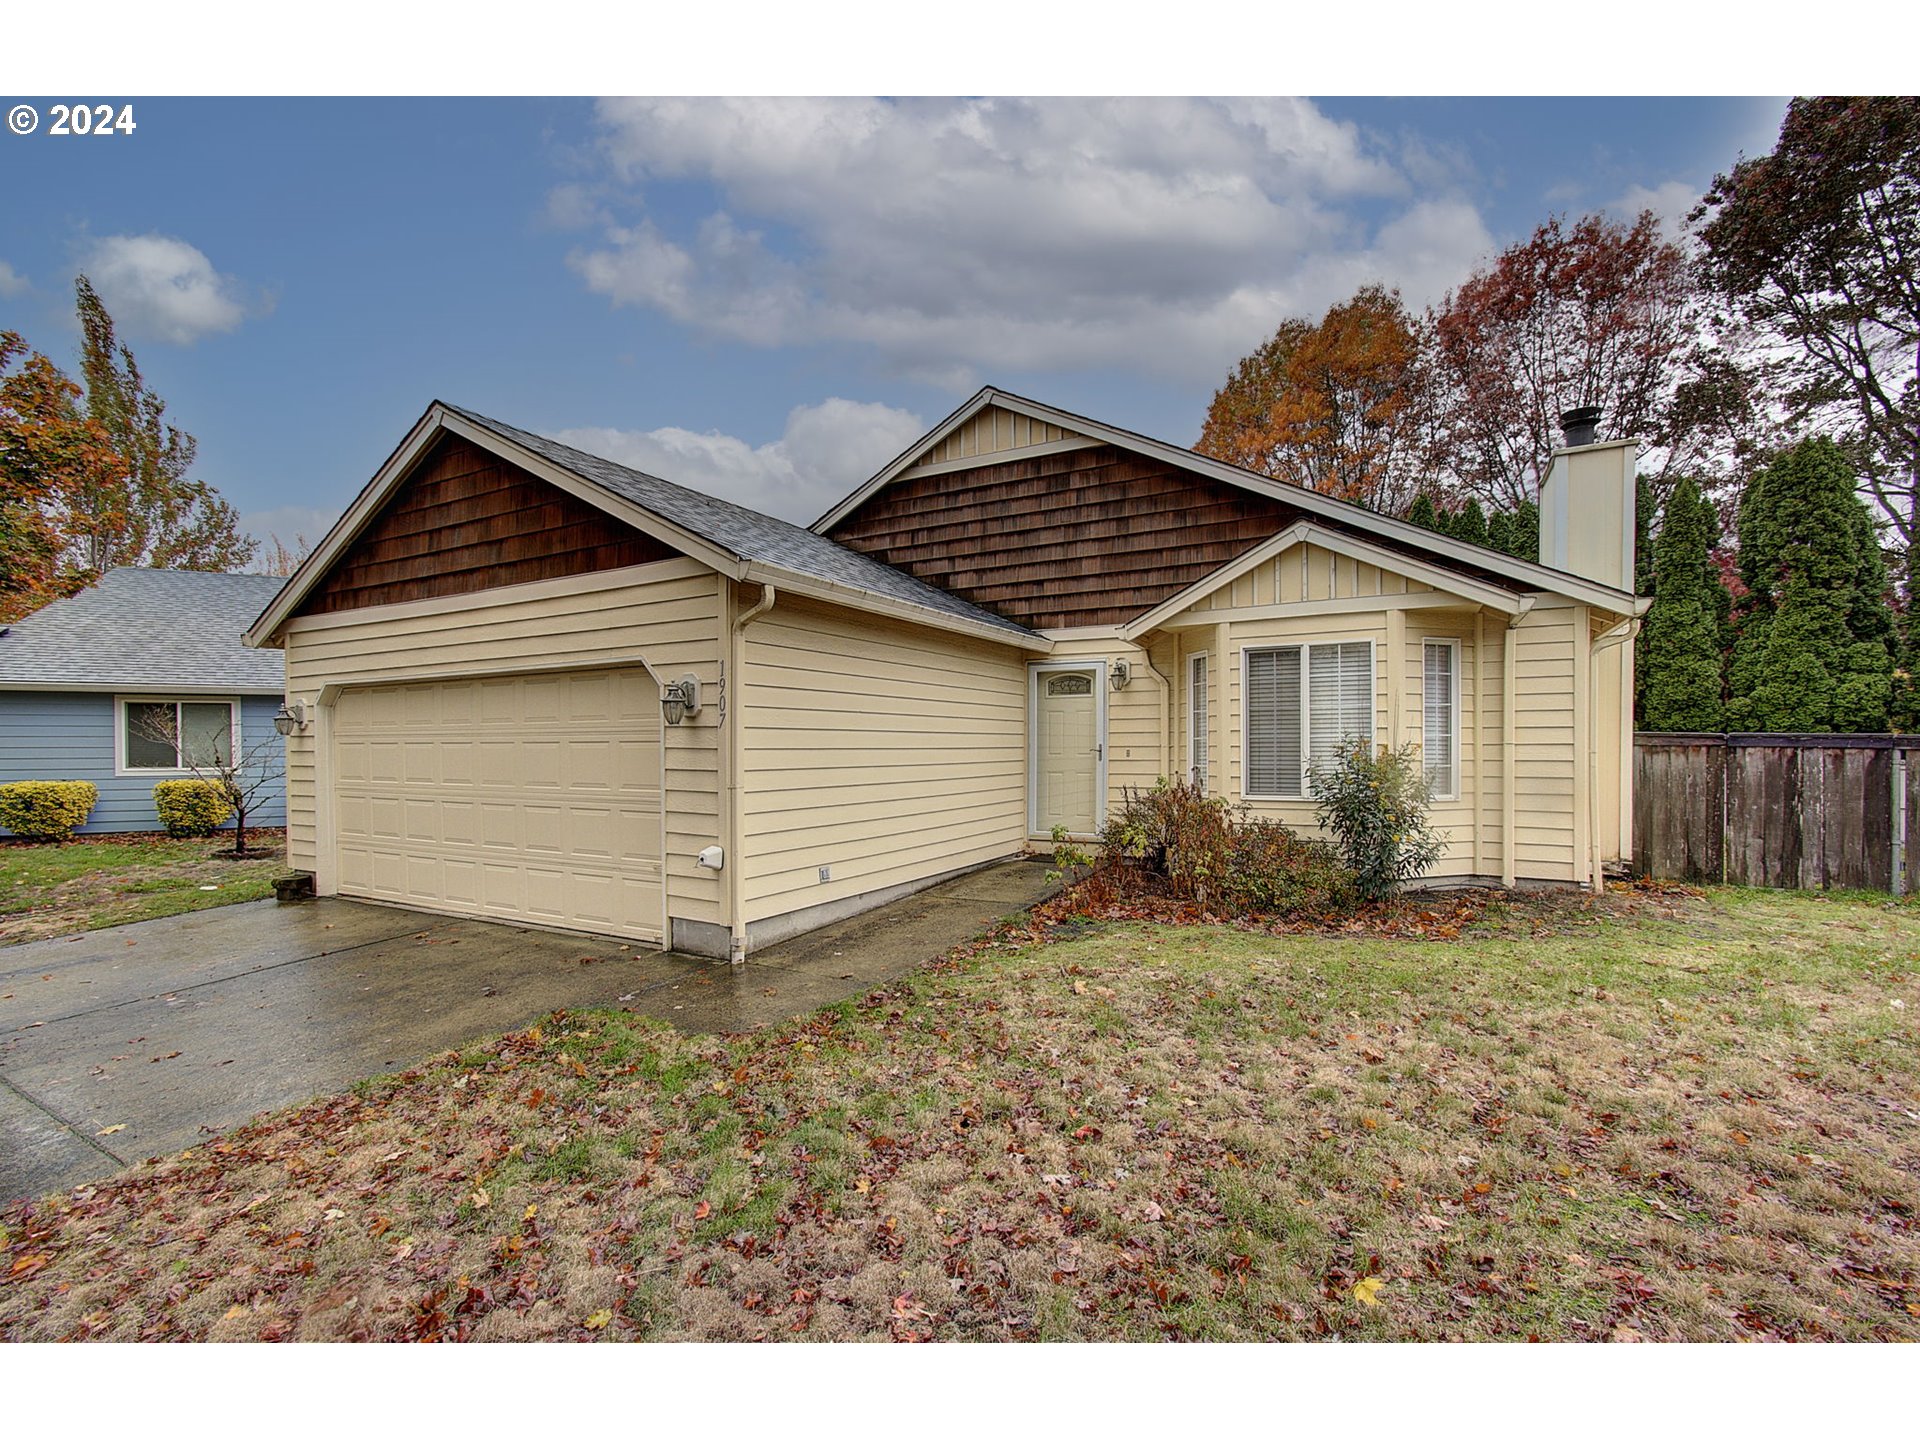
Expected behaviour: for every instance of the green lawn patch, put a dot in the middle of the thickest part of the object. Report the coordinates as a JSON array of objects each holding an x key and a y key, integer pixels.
[{"x": 85, "y": 884}]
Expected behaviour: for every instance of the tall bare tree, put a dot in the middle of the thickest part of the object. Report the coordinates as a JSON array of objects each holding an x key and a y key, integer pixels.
[{"x": 1819, "y": 244}]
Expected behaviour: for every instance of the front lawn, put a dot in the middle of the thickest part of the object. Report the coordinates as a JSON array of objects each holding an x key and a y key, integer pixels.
[
  {"x": 1653, "y": 1117},
  {"x": 85, "y": 884}
]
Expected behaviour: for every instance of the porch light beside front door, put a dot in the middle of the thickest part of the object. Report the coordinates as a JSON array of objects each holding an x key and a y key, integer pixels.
[{"x": 1121, "y": 673}]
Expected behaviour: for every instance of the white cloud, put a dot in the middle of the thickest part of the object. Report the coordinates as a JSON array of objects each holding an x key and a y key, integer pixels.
[
  {"x": 825, "y": 451},
  {"x": 12, "y": 282},
  {"x": 162, "y": 287},
  {"x": 1670, "y": 202},
  {"x": 961, "y": 236}
]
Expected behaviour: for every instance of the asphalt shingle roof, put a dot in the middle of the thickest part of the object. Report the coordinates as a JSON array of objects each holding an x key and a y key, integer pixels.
[
  {"x": 746, "y": 533},
  {"x": 148, "y": 629}
]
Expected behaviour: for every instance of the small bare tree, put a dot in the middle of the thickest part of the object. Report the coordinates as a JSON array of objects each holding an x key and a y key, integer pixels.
[{"x": 243, "y": 772}]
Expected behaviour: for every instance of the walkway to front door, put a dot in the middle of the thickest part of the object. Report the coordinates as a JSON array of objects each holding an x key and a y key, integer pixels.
[{"x": 1069, "y": 749}]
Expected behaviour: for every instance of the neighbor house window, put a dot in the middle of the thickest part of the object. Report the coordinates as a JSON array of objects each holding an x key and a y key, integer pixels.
[
  {"x": 1441, "y": 709},
  {"x": 1197, "y": 719},
  {"x": 176, "y": 734},
  {"x": 1302, "y": 702}
]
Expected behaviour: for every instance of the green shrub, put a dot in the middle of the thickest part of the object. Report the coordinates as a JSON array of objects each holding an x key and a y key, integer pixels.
[
  {"x": 1375, "y": 803},
  {"x": 46, "y": 809},
  {"x": 192, "y": 807},
  {"x": 1217, "y": 855}
]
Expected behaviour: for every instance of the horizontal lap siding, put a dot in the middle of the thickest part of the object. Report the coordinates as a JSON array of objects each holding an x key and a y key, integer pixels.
[
  {"x": 885, "y": 752},
  {"x": 1546, "y": 744},
  {"x": 62, "y": 735},
  {"x": 669, "y": 613}
]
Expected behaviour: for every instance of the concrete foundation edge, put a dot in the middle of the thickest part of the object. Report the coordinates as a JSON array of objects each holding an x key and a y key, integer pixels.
[{"x": 703, "y": 937}]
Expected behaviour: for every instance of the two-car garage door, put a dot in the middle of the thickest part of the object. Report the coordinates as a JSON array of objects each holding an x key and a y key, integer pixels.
[{"x": 529, "y": 798}]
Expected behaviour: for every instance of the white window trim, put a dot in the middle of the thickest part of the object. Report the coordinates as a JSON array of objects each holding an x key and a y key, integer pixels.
[
  {"x": 120, "y": 703},
  {"x": 1452, "y": 792},
  {"x": 1036, "y": 671},
  {"x": 1197, "y": 743},
  {"x": 1306, "y": 709}
]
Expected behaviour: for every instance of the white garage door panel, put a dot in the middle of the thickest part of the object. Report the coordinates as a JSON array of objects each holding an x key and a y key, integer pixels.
[{"x": 533, "y": 799}]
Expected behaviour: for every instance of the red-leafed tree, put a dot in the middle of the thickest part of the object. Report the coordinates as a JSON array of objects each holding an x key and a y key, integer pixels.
[{"x": 1597, "y": 312}]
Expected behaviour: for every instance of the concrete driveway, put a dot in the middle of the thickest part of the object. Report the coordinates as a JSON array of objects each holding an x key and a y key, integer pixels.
[{"x": 173, "y": 1030}]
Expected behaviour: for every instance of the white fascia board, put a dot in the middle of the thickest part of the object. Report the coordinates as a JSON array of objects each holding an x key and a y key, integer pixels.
[{"x": 790, "y": 582}]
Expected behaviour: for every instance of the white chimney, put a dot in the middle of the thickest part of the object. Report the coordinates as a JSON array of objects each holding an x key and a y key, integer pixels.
[{"x": 1586, "y": 503}]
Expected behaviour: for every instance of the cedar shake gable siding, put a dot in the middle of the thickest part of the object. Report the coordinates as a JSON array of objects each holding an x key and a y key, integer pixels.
[
  {"x": 464, "y": 521},
  {"x": 1090, "y": 537}
]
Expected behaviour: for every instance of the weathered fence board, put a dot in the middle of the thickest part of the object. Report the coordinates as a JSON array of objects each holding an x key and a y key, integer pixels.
[
  {"x": 1679, "y": 791},
  {"x": 1802, "y": 812}
]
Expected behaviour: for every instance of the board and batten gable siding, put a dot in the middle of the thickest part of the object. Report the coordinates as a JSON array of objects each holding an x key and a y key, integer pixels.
[
  {"x": 465, "y": 520},
  {"x": 69, "y": 735},
  {"x": 886, "y": 753},
  {"x": 669, "y": 612},
  {"x": 1090, "y": 536},
  {"x": 994, "y": 431}
]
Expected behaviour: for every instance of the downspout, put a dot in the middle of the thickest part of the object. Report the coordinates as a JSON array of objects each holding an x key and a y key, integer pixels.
[
  {"x": 1166, "y": 711},
  {"x": 1618, "y": 635},
  {"x": 733, "y": 716}
]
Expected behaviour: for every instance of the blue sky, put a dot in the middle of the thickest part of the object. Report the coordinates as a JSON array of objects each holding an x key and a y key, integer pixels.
[{"x": 766, "y": 299}]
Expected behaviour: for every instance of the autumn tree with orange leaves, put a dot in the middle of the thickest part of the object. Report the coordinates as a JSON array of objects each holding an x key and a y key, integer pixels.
[
  {"x": 1337, "y": 405},
  {"x": 50, "y": 451}
]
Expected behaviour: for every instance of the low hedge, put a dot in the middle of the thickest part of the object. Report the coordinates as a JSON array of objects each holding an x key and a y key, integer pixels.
[
  {"x": 46, "y": 809},
  {"x": 192, "y": 807}
]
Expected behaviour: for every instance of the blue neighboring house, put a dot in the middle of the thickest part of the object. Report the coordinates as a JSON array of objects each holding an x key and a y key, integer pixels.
[{"x": 83, "y": 679}]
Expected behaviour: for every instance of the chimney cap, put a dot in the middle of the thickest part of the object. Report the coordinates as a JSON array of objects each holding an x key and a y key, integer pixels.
[{"x": 1580, "y": 426}]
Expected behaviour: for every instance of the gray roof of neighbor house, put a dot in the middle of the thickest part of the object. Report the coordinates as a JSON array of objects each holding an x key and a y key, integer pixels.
[
  {"x": 147, "y": 630},
  {"x": 746, "y": 533}
]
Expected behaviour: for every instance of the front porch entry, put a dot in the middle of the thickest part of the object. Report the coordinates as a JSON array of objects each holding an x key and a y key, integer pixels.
[{"x": 1068, "y": 764}]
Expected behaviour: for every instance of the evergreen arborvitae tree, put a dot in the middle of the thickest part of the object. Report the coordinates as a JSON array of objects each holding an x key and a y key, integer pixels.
[
  {"x": 1813, "y": 647},
  {"x": 1424, "y": 513},
  {"x": 1470, "y": 524},
  {"x": 1680, "y": 647}
]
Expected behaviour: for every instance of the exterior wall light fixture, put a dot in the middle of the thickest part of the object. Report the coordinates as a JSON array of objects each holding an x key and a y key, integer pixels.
[
  {"x": 1121, "y": 673},
  {"x": 292, "y": 716},
  {"x": 680, "y": 699}
]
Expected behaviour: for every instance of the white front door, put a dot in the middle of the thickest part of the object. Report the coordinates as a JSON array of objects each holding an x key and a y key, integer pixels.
[{"x": 1068, "y": 749}]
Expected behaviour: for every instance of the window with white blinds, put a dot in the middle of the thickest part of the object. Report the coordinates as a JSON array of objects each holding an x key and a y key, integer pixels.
[
  {"x": 1197, "y": 719},
  {"x": 1302, "y": 702},
  {"x": 1441, "y": 708}
]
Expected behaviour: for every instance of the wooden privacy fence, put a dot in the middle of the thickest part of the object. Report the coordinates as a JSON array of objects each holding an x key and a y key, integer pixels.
[{"x": 1795, "y": 812}]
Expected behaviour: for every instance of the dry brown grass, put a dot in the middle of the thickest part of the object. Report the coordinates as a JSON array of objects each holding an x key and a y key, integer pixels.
[{"x": 1649, "y": 1118}]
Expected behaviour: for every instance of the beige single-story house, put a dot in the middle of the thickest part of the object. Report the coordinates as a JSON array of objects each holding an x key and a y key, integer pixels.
[{"x": 532, "y": 685}]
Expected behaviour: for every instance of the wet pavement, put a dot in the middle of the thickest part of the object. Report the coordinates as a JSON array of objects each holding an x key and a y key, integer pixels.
[{"x": 145, "y": 1039}]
